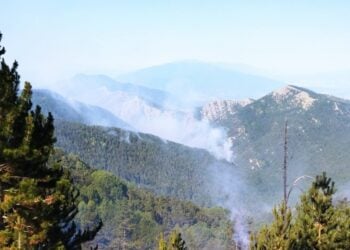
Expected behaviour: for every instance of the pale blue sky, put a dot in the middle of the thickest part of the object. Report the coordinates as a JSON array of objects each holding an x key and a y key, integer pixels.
[{"x": 55, "y": 39}]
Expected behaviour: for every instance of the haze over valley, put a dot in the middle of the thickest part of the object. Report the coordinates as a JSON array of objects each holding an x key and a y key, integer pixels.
[
  {"x": 231, "y": 149},
  {"x": 174, "y": 125}
]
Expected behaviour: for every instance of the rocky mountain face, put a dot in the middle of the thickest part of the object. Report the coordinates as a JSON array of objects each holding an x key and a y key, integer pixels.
[
  {"x": 219, "y": 109},
  {"x": 318, "y": 135}
]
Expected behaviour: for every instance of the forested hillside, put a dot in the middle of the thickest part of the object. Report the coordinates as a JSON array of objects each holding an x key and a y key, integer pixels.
[
  {"x": 135, "y": 218},
  {"x": 161, "y": 166},
  {"x": 256, "y": 130}
]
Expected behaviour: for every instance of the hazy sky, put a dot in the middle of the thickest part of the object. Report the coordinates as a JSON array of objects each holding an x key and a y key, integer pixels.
[{"x": 55, "y": 39}]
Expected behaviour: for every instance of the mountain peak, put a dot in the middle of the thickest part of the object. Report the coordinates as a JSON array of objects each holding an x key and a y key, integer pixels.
[
  {"x": 298, "y": 96},
  {"x": 287, "y": 90}
]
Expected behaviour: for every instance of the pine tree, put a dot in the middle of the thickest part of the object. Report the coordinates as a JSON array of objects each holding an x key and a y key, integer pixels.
[
  {"x": 37, "y": 202},
  {"x": 316, "y": 224}
]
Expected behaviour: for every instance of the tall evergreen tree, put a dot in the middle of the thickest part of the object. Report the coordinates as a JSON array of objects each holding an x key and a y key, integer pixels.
[
  {"x": 316, "y": 226},
  {"x": 37, "y": 202}
]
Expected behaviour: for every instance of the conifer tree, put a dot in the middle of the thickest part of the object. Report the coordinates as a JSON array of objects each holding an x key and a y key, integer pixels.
[
  {"x": 316, "y": 224},
  {"x": 37, "y": 202}
]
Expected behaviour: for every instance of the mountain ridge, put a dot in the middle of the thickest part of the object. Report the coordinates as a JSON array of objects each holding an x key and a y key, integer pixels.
[
  {"x": 79, "y": 82},
  {"x": 318, "y": 135}
]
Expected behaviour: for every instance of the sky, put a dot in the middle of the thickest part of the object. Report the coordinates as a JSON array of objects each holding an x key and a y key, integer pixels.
[{"x": 293, "y": 40}]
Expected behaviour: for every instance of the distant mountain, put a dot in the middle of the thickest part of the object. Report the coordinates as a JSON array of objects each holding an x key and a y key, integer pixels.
[
  {"x": 134, "y": 104},
  {"x": 319, "y": 135},
  {"x": 65, "y": 109},
  {"x": 198, "y": 81}
]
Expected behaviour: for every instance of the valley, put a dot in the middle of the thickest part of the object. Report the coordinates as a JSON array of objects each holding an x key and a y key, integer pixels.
[{"x": 249, "y": 176}]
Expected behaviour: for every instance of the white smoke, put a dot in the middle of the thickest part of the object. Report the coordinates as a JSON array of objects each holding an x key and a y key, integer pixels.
[
  {"x": 170, "y": 124},
  {"x": 188, "y": 131},
  {"x": 228, "y": 186}
]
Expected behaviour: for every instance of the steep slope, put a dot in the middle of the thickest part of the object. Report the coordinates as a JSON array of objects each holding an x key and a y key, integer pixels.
[
  {"x": 319, "y": 135},
  {"x": 202, "y": 80},
  {"x": 165, "y": 168},
  {"x": 74, "y": 111}
]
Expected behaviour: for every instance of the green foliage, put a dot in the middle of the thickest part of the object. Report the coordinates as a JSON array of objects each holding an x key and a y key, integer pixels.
[
  {"x": 317, "y": 224},
  {"x": 134, "y": 218},
  {"x": 37, "y": 202}
]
